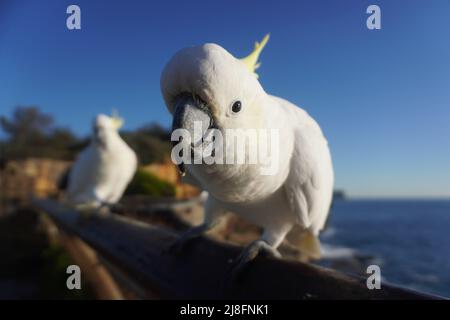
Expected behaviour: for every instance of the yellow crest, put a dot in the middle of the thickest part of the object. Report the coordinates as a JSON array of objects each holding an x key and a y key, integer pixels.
[
  {"x": 251, "y": 61},
  {"x": 116, "y": 120}
]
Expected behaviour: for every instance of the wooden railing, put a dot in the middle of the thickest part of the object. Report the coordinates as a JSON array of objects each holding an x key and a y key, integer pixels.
[{"x": 135, "y": 251}]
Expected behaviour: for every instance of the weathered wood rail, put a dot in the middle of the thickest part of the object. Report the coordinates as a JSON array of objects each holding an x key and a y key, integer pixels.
[{"x": 202, "y": 272}]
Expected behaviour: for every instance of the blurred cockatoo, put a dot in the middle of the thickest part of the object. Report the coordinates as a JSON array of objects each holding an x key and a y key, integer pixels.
[
  {"x": 103, "y": 170},
  {"x": 207, "y": 85}
]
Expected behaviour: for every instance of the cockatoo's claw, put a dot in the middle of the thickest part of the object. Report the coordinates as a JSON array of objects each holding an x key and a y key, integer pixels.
[{"x": 249, "y": 254}]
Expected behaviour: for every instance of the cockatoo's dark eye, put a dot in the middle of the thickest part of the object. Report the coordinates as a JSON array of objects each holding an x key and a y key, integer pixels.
[{"x": 236, "y": 107}]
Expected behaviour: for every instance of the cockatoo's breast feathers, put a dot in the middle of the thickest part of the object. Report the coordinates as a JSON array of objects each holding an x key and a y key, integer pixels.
[{"x": 210, "y": 72}]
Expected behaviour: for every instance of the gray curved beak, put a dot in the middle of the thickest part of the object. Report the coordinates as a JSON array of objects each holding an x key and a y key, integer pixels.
[
  {"x": 190, "y": 112},
  {"x": 194, "y": 116}
]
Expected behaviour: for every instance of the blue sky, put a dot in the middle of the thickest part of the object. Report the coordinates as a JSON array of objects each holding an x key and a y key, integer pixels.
[{"x": 382, "y": 97}]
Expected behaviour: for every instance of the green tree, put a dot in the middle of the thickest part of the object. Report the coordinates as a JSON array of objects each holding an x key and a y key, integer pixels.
[
  {"x": 32, "y": 133},
  {"x": 26, "y": 125}
]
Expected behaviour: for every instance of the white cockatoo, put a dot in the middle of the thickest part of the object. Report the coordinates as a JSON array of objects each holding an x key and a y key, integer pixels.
[
  {"x": 208, "y": 85},
  {"x": 103, "y": 169}
]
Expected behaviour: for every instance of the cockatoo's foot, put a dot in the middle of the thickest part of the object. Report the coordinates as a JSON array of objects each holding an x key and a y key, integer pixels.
[
  {"x": 249, "y": 254},
  {"x": 180, "y": 244}
]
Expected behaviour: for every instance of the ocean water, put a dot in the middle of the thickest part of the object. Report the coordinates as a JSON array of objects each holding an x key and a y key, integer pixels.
[{"x": 408, "y": 239}]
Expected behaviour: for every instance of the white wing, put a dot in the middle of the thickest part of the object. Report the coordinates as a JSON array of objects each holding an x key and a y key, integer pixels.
[
  {"x": 82, "y": 176},
  {"x": 119, "y": 171},
  {"x": 309, "y": 185}
]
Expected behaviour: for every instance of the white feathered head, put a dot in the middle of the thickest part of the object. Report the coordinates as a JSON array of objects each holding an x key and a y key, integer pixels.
[
  {"x": 209, "y": 85},
  {"x": 210, "y": 75},
  {"x": 104, "y": 124}
]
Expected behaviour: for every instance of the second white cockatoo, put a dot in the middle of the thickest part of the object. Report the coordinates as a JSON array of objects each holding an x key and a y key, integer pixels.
[
  {"x": 207, "y": 85},
  {"x": 103, "y": 169}
]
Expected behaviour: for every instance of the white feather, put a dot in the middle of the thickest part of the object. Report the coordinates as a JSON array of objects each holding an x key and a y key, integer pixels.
[
  {"x": 103, "y": 170},
  {"x": 299, "y": 194}
]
